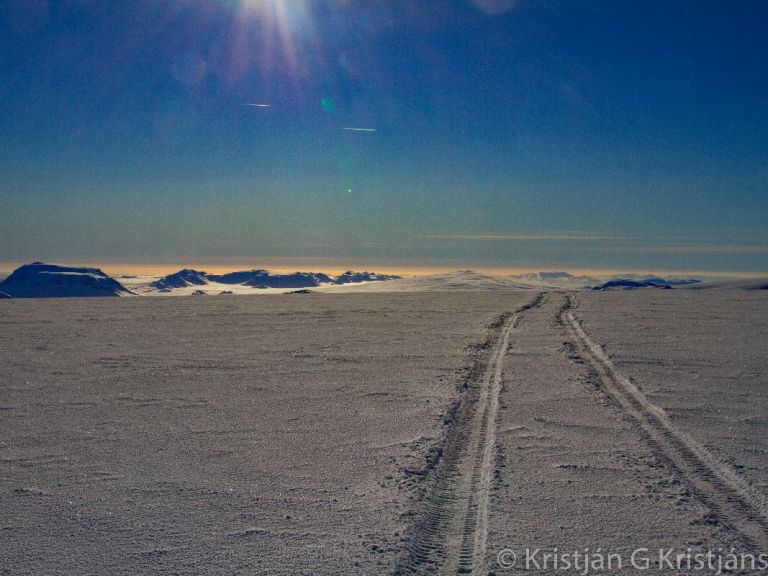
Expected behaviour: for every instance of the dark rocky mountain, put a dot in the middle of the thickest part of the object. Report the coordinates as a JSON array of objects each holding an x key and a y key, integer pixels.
[
  {"x": 39, "y": 280},
  {"x": 625, "y": 284},
  {"x": 266, "y": 279},
  {"x": 350, "y": 277},
  {"x": 180, "y": 279}
]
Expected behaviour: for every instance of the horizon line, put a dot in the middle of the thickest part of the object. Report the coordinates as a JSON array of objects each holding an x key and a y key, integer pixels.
[{"x": 336, "y": 266}]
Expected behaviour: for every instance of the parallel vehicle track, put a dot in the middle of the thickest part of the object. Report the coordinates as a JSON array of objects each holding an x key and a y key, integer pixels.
[
  {"x": 730, "y": 497},
  {"x": 450, "y": 531}
]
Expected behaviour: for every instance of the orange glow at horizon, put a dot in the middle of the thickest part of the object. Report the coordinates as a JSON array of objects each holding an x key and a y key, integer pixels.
[{"x": 335, "y": 266}]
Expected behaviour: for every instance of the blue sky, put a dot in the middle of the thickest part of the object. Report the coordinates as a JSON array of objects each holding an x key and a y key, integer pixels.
[{"x": 630, "y": 135}]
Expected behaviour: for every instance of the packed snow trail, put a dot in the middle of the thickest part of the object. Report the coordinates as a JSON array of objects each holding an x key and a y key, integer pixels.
[
  {"x": 732, "y": 499},
  {"x": 451, "y": 530}
]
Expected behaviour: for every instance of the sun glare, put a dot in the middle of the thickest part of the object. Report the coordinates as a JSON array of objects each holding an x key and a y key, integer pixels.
[{"x": 267, "y": 33}]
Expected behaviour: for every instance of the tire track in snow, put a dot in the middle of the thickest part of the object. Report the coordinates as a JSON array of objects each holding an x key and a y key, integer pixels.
[
  {"x": 731, "y": 498},
  {"x": 450, "y": 531}
]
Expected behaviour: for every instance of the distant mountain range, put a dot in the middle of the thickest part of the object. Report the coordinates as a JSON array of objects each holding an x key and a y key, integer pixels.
[
  {"x": 265, "y": 279},
  {"x": 39, "y": 280}
]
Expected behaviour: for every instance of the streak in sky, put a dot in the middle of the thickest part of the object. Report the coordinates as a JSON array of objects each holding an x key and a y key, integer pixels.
[{"x": 359, "y": 129}]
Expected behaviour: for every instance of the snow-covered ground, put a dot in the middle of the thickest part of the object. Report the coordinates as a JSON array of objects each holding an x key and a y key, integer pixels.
[
  {"x": 379, "y": 433},
  {"x": 273, "y": 435}
]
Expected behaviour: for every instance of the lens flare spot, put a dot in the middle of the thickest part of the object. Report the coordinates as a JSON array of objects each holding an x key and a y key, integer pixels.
[{"x": 328, "y": 105}]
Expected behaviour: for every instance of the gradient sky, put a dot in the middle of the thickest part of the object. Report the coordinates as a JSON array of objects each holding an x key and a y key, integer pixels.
[{"x": 559, "y": 134}]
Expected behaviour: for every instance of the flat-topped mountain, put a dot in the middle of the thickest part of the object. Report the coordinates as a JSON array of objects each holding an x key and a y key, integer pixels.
[
  {"x": 266, "y": 279},
  {"x": 39, "y": 280},
  {"x": 626, "y": 284}
]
